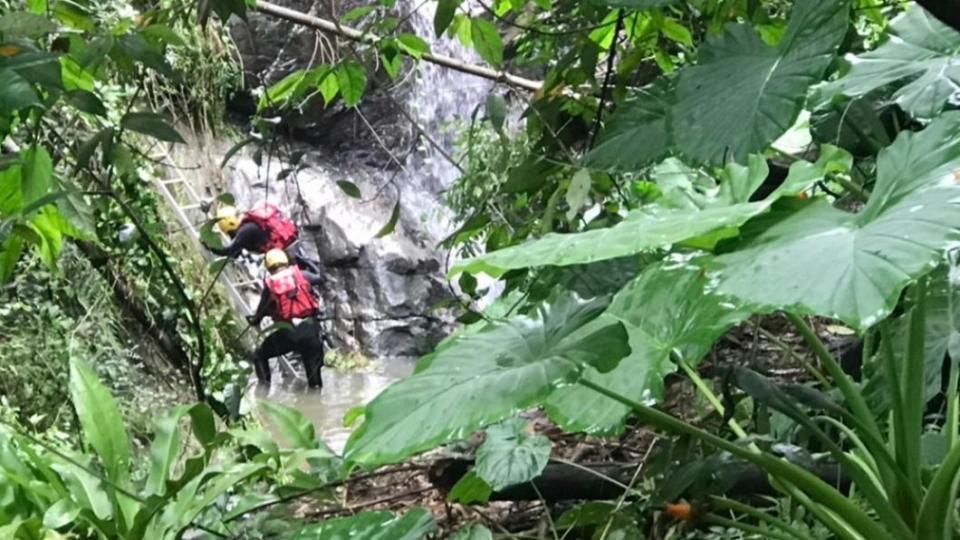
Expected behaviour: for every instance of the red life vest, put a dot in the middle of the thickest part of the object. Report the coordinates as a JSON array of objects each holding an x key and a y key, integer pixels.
[
  {"x": 292, "y": 295},
  {"x": 281, "y": 231}
]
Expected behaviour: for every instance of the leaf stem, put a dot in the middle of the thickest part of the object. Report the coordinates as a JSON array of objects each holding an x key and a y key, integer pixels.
[
  {"x": 913, "y": 380},
  {"x": 850, "y": 392},
  {"x": 788, "y": 472},
  {"x": 708, "y": 394},
  {"x": 737, "y": 506}
]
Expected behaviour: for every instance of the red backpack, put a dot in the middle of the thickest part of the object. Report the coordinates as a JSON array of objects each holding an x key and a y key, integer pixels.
[
  {"x": 292, "y": 294},
  {"x": 281, "y": 231}
]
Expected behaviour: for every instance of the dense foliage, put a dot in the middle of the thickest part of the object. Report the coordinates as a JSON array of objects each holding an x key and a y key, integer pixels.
[{"x": 685, "y": 166}]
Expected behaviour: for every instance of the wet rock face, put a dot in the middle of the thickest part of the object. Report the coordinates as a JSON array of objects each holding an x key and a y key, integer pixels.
[
  {"x": 272, "y": 48},
  {"x": 381, "y": 293}
]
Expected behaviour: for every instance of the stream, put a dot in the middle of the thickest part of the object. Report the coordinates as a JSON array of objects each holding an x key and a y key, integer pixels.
[{"x": 342, "y": 390}]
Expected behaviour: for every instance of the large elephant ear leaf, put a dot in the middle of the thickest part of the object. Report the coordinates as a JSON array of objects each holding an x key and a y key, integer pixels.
[
  {"x": 744, "y": 93},
  {"x": 921, "y": 55},
  {"x": 820, "y": 260},
  {"x": 665, "y": 311},
  {"x": 483, "y": 377},
  {"x": 741, "y": 96}
]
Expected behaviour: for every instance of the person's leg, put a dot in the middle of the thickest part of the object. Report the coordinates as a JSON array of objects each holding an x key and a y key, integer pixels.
[
  {"x": 310, "y": 347},
  {"x": 276, "y": 344},
  {"x": 299, "y": 257}
]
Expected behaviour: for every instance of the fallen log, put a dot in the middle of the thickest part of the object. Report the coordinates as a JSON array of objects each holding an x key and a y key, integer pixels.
[
  {"x": 564, "y": 482},
  {"x": 353, "y": 34}
]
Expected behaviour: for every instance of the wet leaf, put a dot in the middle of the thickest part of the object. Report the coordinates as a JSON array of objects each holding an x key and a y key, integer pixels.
[
  {"x": 480, "y": 378},
  {"x": 151, "y": 124},
  {"x": 509, "y": 455},
  {"x": 391, "y": 223},
  {"x": 350, "y": 189}
]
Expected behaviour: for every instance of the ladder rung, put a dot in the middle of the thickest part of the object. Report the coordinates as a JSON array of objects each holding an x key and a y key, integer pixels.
[
  {"x": 172, "y": 181},
  {"x": 190, "y": 207},
  {"x": 247, "y": 283}
]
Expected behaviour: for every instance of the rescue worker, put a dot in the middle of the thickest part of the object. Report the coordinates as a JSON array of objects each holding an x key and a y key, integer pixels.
[
  {"x": 288, "y": 297},
  {"x": 262, "y": 228}
]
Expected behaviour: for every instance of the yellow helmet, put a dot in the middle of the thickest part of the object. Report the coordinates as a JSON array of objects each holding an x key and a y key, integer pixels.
[
  {"x": 228, "y": 219},
  {"x": 276, "y": 258}
]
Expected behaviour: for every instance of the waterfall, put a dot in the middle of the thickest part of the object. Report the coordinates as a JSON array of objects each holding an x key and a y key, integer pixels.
[{"x": 438, "y": 97}]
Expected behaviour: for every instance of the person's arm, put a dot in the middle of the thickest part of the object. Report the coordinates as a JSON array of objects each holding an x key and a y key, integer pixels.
[
  {"x": 262, "y": 307},
  {"x": 248, "y": 237}
]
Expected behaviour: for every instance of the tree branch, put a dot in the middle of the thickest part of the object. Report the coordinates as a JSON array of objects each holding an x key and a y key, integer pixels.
[{"x": 353, "y": 34}]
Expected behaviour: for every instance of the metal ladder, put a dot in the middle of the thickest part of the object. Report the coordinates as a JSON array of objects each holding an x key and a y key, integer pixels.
[{"x": 185, "y": 203}]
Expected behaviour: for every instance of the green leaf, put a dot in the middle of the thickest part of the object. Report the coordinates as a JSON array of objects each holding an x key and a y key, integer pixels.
[
  {"x": 329, "y": 87},
  {"x": 470, "y": 489},
  {"x": 744, "y": 93},
  {"x": 87, "y": 102},
  {"x": 350, "y": 189},
  {"x": 509, "y": 455},
  {"x": 136, "y": 47},
  {"x": 151, "y": 124},
  {"x": 26, "y": 25},
  {"x": 738, "y": 183},
  {"x": 292, "y": 425},
  {"x": 100, "y": 420},
  {"x": 647, "y": 228},
  {"x": 165, "y": 448},
  {"x": 41, "y": 68},
  {"x": 642, "y": 230},
  {"x": 741, "y": 96},
  {"x": 473, "y": 532},
  {"x": 586, "y": 514},
  {"x": 85, "y": 489},
  {"x": 855, "y": 265},
  {"x": 636, "y": 134},
  {"x": 102, "y": 138},
  {"x": 357, "y": 13},
  {"x": 666, "y": 311},
  {"x": 352, "y": 80},
  {"x": 483, "y": 377},
  {"x": 15, "y": 92},
  {"x": 234, "y": 149},
  {"x": 62, "y": 513},
  {"x": 414, "y": 525},
  {"x": 413, "y": 45},
  {"x": 674, "y": 30},
  {"x": 10, "y": 252},
  {"x": 391, "y": 223},
  {"x": 936, "y": 513},
  {"x": 288, "y": 88},
  {"x": 636, "y": 4},
  {"x": 443, "y": 16},
  {"x": 36, "y": 174},
  {"x": 921, "y": 57},
  {"x": 578, "y": 193},
  {"x": 496, "y": 110},
  {"x": 210, "y": 235},
  {"x": 486, "y": 40},
  {"x": 74, "y": 15}
]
